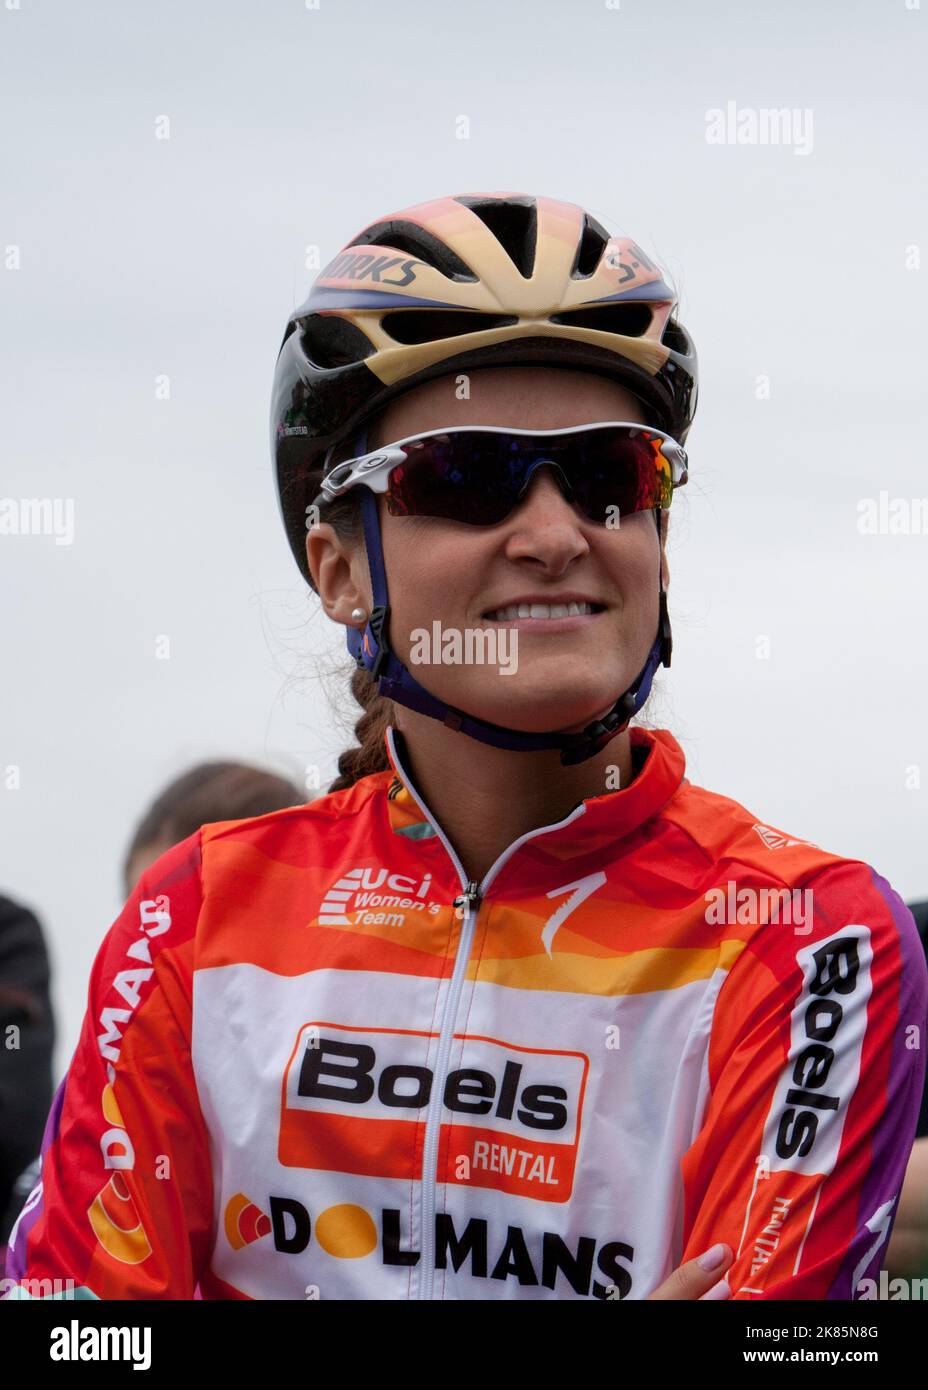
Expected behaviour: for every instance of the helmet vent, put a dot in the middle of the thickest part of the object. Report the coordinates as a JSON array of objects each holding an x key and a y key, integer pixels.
[
  {"x": 330, "y": 341},
  {"x": 416, "y": 241},
  {"x": 411, "y": 326},
  {"x": 631, "y": 320},
  {"x": 676, "y": 338},
  {"x": 593, "y": 240},
  {"x": 514, "y": 223}
]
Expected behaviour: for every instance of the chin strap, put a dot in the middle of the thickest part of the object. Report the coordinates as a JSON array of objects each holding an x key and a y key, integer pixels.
[{"x": 371, "y": 649}]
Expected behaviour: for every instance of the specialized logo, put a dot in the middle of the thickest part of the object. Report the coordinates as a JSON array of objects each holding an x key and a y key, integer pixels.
[
  {"x": 374, "y": 897},
  {"x": 383, "y": 269},
  {"x": 626, "y": 255},
  {"x": 355, "y": 1101},
  {"x": 579, "y": 890},
  {"x": 774, "y": 840}
]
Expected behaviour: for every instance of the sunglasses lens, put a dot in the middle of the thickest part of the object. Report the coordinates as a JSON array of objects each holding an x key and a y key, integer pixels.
[
  {"x": 461, "y": 477},
  {"x": 615, "y": 473},
  {"x": 478, "y": 477}
]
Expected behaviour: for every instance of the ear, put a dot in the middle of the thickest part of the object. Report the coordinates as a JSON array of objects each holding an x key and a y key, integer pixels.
[{"x": 339, "y": 573}]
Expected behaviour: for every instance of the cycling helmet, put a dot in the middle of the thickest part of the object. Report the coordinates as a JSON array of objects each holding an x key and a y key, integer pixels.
[{"x": 466, "y": 281}]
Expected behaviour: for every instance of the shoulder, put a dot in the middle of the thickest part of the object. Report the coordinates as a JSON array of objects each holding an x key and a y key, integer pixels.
[
  {"x": 732, "y": 836},
  {"x": 845, "y": 933},
  {"x": 836, "y": 966},
  {"x": 263, "y": 856},
  {"x": 293, "y": 824},
  {"x": 743, "y": 853},
  {"x": 158, "y": 920}
]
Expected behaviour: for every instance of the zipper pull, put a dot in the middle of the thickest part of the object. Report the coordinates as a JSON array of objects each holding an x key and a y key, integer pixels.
[{"x": 470, "y": 895}]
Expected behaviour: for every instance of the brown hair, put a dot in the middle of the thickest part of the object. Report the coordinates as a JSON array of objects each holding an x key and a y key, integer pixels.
[
  {"x": 369, "y": 754},
  {"x": 210, "y": 792}
]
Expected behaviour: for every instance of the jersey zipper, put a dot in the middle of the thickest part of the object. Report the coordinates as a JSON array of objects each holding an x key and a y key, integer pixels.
[
  {"x": 472, "y": 897},
  {"x": 470, "y": 901}
]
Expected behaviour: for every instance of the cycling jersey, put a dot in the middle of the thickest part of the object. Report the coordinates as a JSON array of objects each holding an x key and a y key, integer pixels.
[{"x": 317, "y": 1062}]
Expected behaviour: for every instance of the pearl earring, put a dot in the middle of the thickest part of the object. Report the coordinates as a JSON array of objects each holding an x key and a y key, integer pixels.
[{"x": 359, "y": 615}]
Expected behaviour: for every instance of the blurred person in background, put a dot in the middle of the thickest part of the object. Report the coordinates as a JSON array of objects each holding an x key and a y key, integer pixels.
[
  {"x": 209, "y": 792},
  {"x": 27, "y": 1039}
]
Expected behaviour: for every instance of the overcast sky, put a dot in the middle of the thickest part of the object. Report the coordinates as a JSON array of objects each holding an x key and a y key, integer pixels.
[{"x": 128, "y": 258}]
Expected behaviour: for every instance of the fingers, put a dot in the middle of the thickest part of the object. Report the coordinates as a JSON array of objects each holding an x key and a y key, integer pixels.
[
  {"x": 719, "y": 1290},
  {"x": 702, "y": 1278}
]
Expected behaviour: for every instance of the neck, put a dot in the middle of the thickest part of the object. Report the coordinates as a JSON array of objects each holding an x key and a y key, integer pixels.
[{"x": 484, "y": 798}]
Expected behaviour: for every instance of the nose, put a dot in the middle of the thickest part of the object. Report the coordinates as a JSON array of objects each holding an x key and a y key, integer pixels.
[
  {"x": 545, "y": 526},
  {"x": 546, "y": 486}
]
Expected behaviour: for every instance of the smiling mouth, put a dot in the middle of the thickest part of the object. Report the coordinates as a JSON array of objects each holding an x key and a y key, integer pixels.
[{"x": 542, "y": 611}]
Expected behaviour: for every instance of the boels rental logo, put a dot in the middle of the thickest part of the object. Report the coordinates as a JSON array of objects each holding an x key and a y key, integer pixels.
[{"x": 355, "y": 1099}]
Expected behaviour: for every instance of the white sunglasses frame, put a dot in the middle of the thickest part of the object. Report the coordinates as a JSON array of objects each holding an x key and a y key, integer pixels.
[{"x": 374, "y": 468}]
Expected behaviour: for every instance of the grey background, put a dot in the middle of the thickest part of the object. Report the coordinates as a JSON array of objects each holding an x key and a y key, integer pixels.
[{"x": 294, "y": 127}]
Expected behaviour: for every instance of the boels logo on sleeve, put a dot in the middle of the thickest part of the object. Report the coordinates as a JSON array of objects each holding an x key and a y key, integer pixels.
[{"x": 355, "y": 1100}]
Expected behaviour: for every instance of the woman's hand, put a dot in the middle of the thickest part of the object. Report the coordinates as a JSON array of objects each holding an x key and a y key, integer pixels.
[{"x": 700, "y": 1278}]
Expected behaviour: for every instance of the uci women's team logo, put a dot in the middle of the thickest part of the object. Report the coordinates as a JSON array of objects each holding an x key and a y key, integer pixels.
[
  {"x": 374, "y": 897},
  {"x": 354, "y": 1097}
]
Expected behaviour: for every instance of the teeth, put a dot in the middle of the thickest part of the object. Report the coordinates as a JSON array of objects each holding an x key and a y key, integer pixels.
[{"x": 539, "y": 610}]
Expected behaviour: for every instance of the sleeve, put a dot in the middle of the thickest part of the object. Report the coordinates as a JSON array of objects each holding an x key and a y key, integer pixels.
[
  {"x": 123, "y": 1207},
  {"x": 920, "y": 912},
  {"x": 28, "y": 1037},
  {"x": 816, "y": 1066}
]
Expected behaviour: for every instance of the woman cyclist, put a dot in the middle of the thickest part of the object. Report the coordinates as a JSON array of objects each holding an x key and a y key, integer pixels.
[{"x": 514, "y": 1011}]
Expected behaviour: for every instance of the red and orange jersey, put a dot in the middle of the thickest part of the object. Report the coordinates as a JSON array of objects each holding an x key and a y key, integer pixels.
[{"x": 317, "y": 1062}]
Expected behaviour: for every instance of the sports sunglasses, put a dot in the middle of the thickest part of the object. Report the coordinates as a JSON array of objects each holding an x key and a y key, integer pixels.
[{"x": 478, "y": 473}]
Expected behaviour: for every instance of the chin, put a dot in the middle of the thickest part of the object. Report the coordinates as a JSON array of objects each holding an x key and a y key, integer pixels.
[{"x": 540, "y": 712}]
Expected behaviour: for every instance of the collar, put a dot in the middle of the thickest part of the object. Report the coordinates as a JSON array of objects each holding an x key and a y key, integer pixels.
[{"x": 594, "y": 821}]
